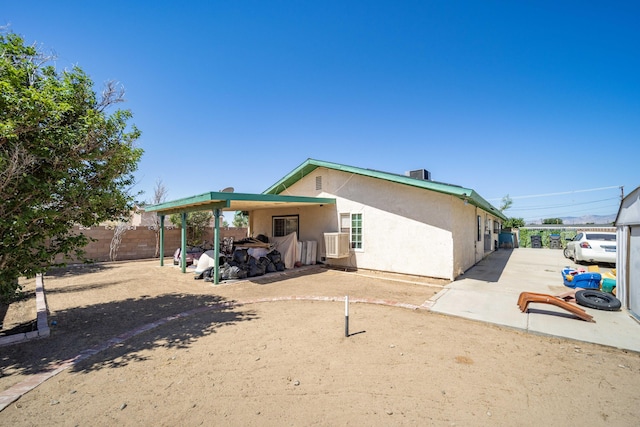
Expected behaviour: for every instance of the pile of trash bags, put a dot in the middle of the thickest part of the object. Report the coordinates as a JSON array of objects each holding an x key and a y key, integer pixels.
[{"x": 243, "y": 265}]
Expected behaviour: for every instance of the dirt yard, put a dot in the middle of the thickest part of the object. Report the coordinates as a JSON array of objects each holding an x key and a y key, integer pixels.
[{"x": 287, "y": 361}]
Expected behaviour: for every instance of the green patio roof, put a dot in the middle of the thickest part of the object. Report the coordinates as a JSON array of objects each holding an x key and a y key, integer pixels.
[
  {"x": 454, "y": 190},
  {"x": 234, "y": 202}
]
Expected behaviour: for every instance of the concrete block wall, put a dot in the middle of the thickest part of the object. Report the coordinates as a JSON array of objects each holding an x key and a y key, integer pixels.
[{"x": 139, "y": 242}]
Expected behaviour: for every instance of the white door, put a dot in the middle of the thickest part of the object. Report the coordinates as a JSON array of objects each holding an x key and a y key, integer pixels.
[{"x": 634, "y": 271}]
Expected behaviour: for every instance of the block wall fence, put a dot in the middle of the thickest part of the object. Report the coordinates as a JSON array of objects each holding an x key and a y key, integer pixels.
[{"x": 140, "y": 242}]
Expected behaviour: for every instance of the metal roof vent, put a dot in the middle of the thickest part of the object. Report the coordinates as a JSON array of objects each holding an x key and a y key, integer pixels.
[{"x": 422, "y": 174}]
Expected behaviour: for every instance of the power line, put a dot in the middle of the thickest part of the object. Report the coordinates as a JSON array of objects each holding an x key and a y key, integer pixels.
[
  {"x": 596, "y": 208},
  {"x": 558, "y": 194},
  {"x": 533, "y": 208}
]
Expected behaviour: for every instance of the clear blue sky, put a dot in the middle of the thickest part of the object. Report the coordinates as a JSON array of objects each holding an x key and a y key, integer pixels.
[{"x": 539, "y": 100}]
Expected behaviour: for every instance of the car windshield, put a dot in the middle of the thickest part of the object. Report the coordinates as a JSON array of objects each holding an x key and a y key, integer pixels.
[{"x": 600, "y": 236}]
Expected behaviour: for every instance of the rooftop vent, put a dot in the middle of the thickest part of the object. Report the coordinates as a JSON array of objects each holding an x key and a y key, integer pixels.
[{"x": 423, "y": 174}]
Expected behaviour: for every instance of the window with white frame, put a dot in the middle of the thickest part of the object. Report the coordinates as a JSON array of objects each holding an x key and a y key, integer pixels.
[
  {"x": 286, "y": 224},
  {"x": 351, "y": 223}
]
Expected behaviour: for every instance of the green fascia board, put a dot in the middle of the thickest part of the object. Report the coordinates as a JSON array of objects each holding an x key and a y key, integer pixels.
[
  {"x": 477, "y": 200},
  {"x": 223, "y": 200},
  {"x": 200, "y": 200},
  {"x": 454, "y": 190}
]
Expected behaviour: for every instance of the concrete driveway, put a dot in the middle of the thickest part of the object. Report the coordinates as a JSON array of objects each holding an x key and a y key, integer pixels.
[{"x": 489, "y": 292}]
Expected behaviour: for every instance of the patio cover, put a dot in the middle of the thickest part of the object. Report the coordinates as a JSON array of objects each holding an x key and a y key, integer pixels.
[{"x": 224, "y": 201}]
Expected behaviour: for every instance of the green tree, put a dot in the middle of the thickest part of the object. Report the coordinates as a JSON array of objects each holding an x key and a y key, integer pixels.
[
  {"x": 514, "y": 223},
  {"x": 197, "y": 222},
  {"x": 64, "y": 160},
  {"x": 552, "y": 221},
  {"x": 506, "y": 203},
  {"x": 240, "y": 219}
]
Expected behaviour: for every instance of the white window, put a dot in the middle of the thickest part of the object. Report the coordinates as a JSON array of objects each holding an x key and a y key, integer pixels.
[
  {"x": 352, "y": 223},
  {"x": 283, "y": 225}
]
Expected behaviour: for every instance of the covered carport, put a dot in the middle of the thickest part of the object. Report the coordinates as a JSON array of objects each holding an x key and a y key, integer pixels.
[{"x": 219, "y": 202}]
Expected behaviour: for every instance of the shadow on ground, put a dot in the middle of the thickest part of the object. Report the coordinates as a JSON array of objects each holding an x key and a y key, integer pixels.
[
  {"x": 81, "y": 288},
  {"x": 490, "y": 268},
  {"x": 287, "y": 274},
  {"x": 77, "y": 269},
  {"x": 22, "y": 328},
  {"x": 26, "y": 326},
  {"x": 172, "y": 320}
]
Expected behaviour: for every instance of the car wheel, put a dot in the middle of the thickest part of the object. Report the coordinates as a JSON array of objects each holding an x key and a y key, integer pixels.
[
  {"x": 575, "y": 257},
  {"x": 567, "y": 253},
  {"x": 598, "y": 300}
]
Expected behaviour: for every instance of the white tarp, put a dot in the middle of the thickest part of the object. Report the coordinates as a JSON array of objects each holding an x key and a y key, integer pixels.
[
  {"x": 257, "y": 253},
  {"x": 206, "y": 260},
  {"x": 288, "y": 248}
]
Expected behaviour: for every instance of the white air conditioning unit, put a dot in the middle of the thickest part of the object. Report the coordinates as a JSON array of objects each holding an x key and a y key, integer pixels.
[{"x": 336, "y": 245}]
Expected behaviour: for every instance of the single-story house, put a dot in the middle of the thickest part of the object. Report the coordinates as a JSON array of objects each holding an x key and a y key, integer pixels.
[
  {"x": 397, "y": 223},
  {"x": 365, "y": 219},
  {"x": 628, "y": 252}
]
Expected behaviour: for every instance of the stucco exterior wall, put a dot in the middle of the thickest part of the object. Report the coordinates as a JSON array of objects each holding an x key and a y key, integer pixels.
[
  {"x": 466, "y": 249},
  {"x": 313, "y": 222},
  {"x": 405, "y": 229}
]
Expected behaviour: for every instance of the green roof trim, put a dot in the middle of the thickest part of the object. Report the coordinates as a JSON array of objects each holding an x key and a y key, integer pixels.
[
  {"x": 454, "y": 190},
  {"x": 232, "y": 201}
]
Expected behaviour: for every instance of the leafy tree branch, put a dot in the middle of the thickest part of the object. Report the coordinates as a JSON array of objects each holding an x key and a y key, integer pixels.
[{"x": 64, "y": 160}]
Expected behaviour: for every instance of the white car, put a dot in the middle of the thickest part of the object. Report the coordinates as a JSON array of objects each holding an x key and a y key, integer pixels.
[{"x": 592, "y": 246}]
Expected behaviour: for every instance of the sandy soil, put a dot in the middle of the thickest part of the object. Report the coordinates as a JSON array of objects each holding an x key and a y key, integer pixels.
[{"x": 288, "y": 362}]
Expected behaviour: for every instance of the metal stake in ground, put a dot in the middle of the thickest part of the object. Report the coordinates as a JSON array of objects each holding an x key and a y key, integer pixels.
[{"x": 346, "y": 316}]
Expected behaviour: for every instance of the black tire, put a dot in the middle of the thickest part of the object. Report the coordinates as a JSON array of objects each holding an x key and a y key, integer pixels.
[
  {"x": 598, "y": 300},
  {"x": 575, "y": 258},
  {"x": 567, "y": 253}
]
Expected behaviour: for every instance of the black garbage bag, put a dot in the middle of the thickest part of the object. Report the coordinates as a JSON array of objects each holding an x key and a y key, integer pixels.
[
  {"x": 208, "y": 273},
  {"x": 264, "y": 260},
  {"x": 240, "y": 256},
  {"x": 204, "y": 274},
  {"x": 275, "y": 256},
  {"x": 224, "y": 271},
  {"x": 269, "y": 267},
  {"x": 235, "y": 272},
  {"x": 262, "y": 238},
  {"x": 253, "y": 271},
  {"x": 256, "y": 270},
  {"x": 280, "y": 266}
]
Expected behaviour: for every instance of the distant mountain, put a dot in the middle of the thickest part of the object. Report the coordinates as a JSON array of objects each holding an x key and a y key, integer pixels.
[
  {"x": 590, "y": 219},
  {"x": 586, "y": 219}
]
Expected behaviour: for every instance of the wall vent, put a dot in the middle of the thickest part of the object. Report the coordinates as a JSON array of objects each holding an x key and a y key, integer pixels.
[{"x": 318, "y": 182}]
